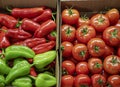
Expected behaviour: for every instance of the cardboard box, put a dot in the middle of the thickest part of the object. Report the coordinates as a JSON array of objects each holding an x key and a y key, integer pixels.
[{"x": 36, "y": 3}]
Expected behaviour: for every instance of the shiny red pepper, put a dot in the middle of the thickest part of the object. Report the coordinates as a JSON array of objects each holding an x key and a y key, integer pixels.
[
  {"x": 33, "y": 72},
  {"x": 32, "y": 42},
  {"x": 4, "y": 42},
  {"x": 47, "y": 14},
  {"x": 43, "y": 47},
  {"x": 52, "y": 35},
  {"x": 8, "y": 21},
  {"x": 45, "y": 28},
  {"x": 18, "y": 34},
  {"x": 27, "y": 12}
]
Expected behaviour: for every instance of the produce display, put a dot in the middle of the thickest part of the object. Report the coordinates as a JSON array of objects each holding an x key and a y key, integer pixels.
[
  {"x": 28, "y": 47},
  {"x": 90, "y": 48}
]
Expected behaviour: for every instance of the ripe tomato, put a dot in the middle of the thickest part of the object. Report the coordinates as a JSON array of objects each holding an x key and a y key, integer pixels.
[
  {"x": 70, "y": 16},
  {"x": 96, "y": 47},
  {"x": 84, "y": 33},
  {"x": 67, "y": 33},
  {"x": 111, "y": 64},
  {"x": 114, "y": 81},
  {"x": 95, "y": 65},
  {"x": 80, "y": 52},
  {"x": 118, "y": 23},
  {"x": 111, "y": 35},
  {"x": 73, "y": 60},
  {"x": 67, "y": 81},
  {"x": 82, "y": 68},
  {"x": 113, "y": 16},
  {"x": 68, "y": 67},
  {"x": 118, "y": 52},
  {"x": 98, "y": 80},
  {"x": 105, "y": 74},
  {"x": 75, "y": 42},
  {"x": 82, "y": 80},
  {"x": 100, "y": 22},
  {"x": 66, "y": 49},
  {"x": 83, "y": 20}
]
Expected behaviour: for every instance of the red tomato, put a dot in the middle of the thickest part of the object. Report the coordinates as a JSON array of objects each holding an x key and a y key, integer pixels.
[
  {"x": 73, "y": 60},
  {"x": 70, "y": 16},
  {"x": 96, "y": 47},
  {"x": 111, "y": 64},
  {"x": 84, "y": 33},
  {"x": 82, "y": 80},
  {"x": 100, "y": 22},
  {"x": 66, "y": 49},
  {"x": 105, "y": 74},
  {"x": 68, "y": 67},
  {"x": 118, "y": 52},
  {"x": 67, "y": 33},
  {"x": 67, "y": 81},
  {"x": 98, "y": 80},
  {"x": 118, "y": 23},
  {"x": 80, "y": 52},
  {"x": 111, "y": 35},
  {"x": 75, "y": 42},
  {"x": 95, "y": 65},
  {"x": 82, "y": 68},
  {"x": 83, "y": 20},
  {"x": 114, "y": 81},
  {"x": 113, "y": 16}
]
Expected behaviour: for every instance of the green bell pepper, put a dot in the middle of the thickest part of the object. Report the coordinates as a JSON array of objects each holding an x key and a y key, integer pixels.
[
  {"x": 43, "y": 59},
  {"x": 16, "y": 51},
  {"x": 22, "y": 82},
  {"x": 45, "y": 80},
  {"x": 4, "y": 68},
  {"x": 2, "y": 81},
  {"x": 20, "y": 69},
  {"x": 18, "y": 60}
]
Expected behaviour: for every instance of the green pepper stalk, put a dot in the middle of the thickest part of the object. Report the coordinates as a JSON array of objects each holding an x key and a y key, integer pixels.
[
  {"x": 20, "y": 69},
  {"x": 22, "y": 82},
  {"x": 2, "y": 81}
]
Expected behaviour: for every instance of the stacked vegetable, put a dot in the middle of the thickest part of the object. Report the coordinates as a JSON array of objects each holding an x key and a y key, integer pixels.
[
  {"x": 90, "y": 49},
  {"x": 27, "y": 47}
]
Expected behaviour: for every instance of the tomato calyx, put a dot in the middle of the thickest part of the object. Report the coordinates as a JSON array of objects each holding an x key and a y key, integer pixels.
[
  {"x": 97, "y": 65},
  {"x": 114, "y": 60},
  {"x": 114, "y": 33},
  {"x": 62, "y": 48},
  {"x": 101, "y": 19},
  {"x": 84, "y": 17},
  {"x": 100, "y": 81},
  {"x": 64, "y": 71},
  {"x": 82, "y": 53},
  {"x": 84, "y": 31},
  {"x": 83, "y": 86},
  {"x": 96, "y": 48},
  {"x": 68, "y": 31},
  {"x": 70, "y": 11}
]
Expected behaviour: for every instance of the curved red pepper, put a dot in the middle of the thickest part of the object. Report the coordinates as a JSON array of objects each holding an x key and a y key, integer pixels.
[
  {"x": 29, "y": 25},
  {"x": 8, "y": 21},
  {"x": 33, "y": 72},
  {"x": 52, "y": 36},
  {"x": 43, "y": 47},
  {"x": 45, "y": 28},
  {"x": 27, "y": 12},
  {"x": 47, "y": 14}
]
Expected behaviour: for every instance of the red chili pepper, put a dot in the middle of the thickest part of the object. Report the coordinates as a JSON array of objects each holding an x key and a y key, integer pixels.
[
  {"x": 33, "y": 72},
  {"x": 43, "y": 47},
  {"x": 18, "y": 34},
  {"x": 30, "y": 60},
  {"x": 52, "y": 35},
  {"x": 4, "y": 42},
  {"x": 27, "y": 12},
  {"x": 32, "y": 42},
  {"x": 45, "y": 28},
  {"x": 47, "y": 14},
  {"x": 29, "y": 25},
  {"x": 8, "y": 21}
]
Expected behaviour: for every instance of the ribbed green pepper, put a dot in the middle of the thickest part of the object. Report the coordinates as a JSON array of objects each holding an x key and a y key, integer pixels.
[
  {"x": 43, "y": 59},
  {"x": 2, "y": 81},
  {"x": 16, "y": 51},
  {"x": 22, "y": 82},
  {"x": 45, "y": 80},
  {"x": 20, "y": 69},
  {"x": 4, "y": 69},
  {"x": 17, "y": 60}
]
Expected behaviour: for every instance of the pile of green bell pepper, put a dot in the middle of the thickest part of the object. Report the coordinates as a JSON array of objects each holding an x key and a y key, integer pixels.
[{"x": 18, "y": 74}]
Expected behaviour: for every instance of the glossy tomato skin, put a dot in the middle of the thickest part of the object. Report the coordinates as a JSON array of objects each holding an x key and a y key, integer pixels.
[
  {"x": 67, "y": 33},
  {"x": 114, "y": 81},
  {"x": 82, "y": 80},
  {"x": 70, "y": 16},
  {"x": 82, "y": 68},
  {"x": 84, "y": 33},
  {"x": 66, "y": 49},
  {"x": 118, "y": 52},
  {"x": 111, "y": 35},
  {"x": 95, "y": 65},
  {"x": 100, "y": 22},
  {"x": 111, "y": 64},
  {"x": 67, "y": 81},
  {"x": 96, "y": 47},
  {"x": 118, "y": 23},
  {"x": 80, "y": 52},
  {"x": 68, "y": 67},
  {"x": 113, "y": 16},
  {"x": 98, "y": 80}
]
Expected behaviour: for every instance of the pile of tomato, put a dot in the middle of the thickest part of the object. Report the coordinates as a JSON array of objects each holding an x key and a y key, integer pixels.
[{"x": 90, "y": 49}]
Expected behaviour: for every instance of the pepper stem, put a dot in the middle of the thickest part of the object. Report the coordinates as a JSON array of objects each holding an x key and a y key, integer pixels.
[
  {"x": 18, "y": 24},
  {"x": 32, "y": 77},
  {"x": 32, "y": 65},
  {"x": 8, "y": 9},
  {"x": 53, "y": 16}
]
